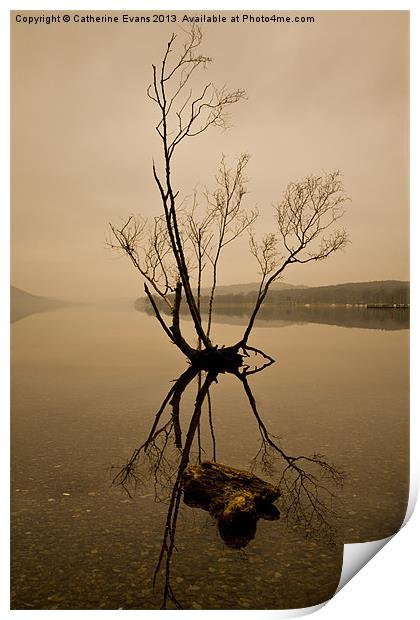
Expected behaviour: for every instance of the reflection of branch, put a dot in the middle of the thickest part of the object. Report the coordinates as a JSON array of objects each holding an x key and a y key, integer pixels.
[
  {"x": 127, "y": 476},
  {"x": 304, "y": 483},
  {"x": 246, "y": 367},
  {"x": 168, "y": 543},
  {"x": 305, "y": 499},
  {"x": 180, "y": 387},
  {"x": 213, "y": 437},
  {"x": 155, "y": 448}
]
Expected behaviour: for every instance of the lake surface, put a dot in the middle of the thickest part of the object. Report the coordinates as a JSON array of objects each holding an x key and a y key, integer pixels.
[{"x": 86, "y": 384}]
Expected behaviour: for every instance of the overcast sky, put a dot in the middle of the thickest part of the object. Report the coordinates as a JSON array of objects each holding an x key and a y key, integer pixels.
[{"x": 326, "y": 95}]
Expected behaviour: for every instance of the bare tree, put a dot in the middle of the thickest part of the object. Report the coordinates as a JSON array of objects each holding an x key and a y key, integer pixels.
[
  {"x": 184, "y": 115},
  {"x": 183, "y": 245},
  {"x": 306, "y": 218},
  {"x": 227, "y": 216}
]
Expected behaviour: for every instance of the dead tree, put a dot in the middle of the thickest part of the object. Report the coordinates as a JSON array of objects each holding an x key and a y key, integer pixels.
[
  {"x": 174, "y": 253},
  {"x": 306, "y": 218},
  {"x": 184, "y": 243}
]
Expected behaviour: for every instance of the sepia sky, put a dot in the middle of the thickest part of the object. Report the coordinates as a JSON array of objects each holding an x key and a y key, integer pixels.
[{"x": 326, "y": 95}]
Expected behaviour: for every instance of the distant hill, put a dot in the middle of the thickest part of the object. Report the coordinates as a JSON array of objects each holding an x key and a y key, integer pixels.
[
  {"x": 382, "y": 292},
  {"x": 386, "y": 292},
  {"x": 23, "y": 304},
  {"x": 244, "y": 289}
]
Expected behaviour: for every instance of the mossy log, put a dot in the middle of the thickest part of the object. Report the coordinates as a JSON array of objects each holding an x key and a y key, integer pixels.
[{"x": 236, "y": 498}]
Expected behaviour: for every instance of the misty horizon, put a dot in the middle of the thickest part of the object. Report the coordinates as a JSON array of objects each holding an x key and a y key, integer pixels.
[
  {"x": 220, "y": 286},
  {"x": 95, "y": 166}
]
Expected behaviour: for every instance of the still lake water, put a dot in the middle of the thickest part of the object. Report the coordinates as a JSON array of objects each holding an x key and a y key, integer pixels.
[{"x": 86, "y": 383}]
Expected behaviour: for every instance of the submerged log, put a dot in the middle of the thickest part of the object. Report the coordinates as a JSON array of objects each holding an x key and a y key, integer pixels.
[{"x": 236, "y": 498}]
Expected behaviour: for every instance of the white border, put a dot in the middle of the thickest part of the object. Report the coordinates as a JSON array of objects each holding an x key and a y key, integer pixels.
[{"x": 388, "y": 585}]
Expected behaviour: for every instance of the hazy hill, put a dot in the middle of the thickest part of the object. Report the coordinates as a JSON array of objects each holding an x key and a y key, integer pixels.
[
  {"x": 23, "y": 304},
  {"x": 244, "y": 289},
  {"x": 382, "y": 292}
]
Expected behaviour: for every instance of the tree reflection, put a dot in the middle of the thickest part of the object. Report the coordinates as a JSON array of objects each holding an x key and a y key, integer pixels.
[{"x": 304, "y": 486}]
